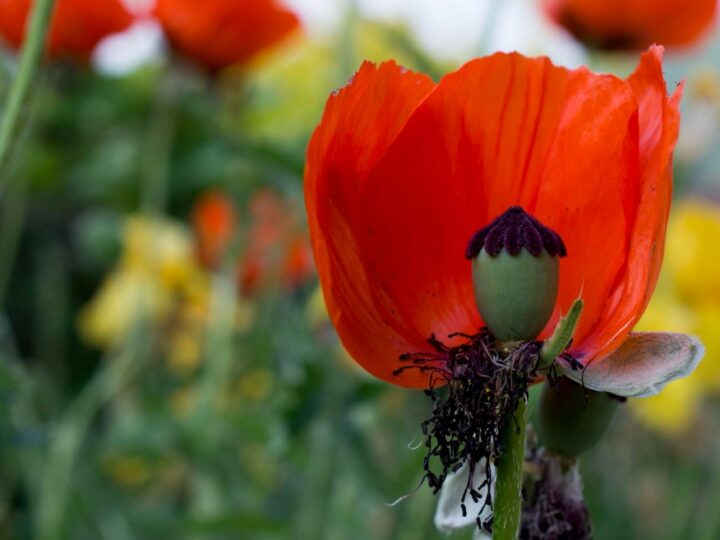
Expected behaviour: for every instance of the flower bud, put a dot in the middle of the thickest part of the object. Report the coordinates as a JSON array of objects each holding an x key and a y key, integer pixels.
[
  {"x": 571, "y": 418},
  {"x": 515, "y": 268}
]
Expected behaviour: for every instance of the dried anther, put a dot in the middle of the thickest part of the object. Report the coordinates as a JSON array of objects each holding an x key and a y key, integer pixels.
[{"x": 483, "y": 384}]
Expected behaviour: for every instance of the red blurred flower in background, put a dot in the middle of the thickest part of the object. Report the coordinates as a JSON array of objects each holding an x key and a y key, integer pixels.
[
  {"x": 273, "y": 249},
  {"x": 214, "y": 221},
  {"x": 402, "y": 171},
  {"x": 633, "y": 24},
  {"x": 220, "y": 33},
  {"x": 77, "y": 25}
]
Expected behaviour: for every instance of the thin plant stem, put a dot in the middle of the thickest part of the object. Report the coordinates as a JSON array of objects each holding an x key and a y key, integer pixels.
[
  {"x": 347, "y": 43},
  {"x": 116, "y": 372},
  {"x": 12, "y": 220},
  {"x": 30, "y": 56},
  {"x": 489, "y": 24},
  {"x": 507, "y": 505},
  {"x": 14, "y": 202},
  {"x": 155, "y": 163},
  {"x": 207, "y": 498}
]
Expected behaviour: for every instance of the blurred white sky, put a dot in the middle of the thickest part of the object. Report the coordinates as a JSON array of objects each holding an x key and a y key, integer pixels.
[
  {"x": 453, "y": 29},
  {"x": 446, "y": 29}
]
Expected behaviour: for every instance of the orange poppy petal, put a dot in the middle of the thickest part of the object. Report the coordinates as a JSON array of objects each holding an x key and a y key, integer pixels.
[
  {"x": 360, "y": 122},
  {"x": 659, "y": 118},
  {"x": 77, "y": 26},
  {"x": 220, "y": 33},
  {"x": 633, "y": 24},
  {"x": 501, "y": 131},
  {"x": 214, "y": 220},
  {"x": 584, "y": 153}
]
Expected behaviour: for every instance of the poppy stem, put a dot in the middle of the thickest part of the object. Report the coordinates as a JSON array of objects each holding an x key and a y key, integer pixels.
[
  {"x": 508, "y": 481},
  {"x": 35, "y": 36}
]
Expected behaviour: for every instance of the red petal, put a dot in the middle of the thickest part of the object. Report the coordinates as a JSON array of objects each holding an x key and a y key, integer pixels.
[
  {"x": 633, "y": 24},
  {"x": 503, "y": 130},
  {"x": 359, "y": 123},
  {"x": 77, "y": 25},
  {"x": 659, "y": 126},
  {"x": 219, "y": 33},
  {"x": 214, "y": 220}
]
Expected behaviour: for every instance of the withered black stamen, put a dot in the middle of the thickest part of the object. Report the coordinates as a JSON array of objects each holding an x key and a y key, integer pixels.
[{"x": 475, "y": 389}]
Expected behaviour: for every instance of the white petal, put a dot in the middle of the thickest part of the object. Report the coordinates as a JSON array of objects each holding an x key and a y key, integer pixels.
[
  {"x": 448, "y": 515},
  {"x": 642, "y": 366},
  {"x": 481, "y": 534}
]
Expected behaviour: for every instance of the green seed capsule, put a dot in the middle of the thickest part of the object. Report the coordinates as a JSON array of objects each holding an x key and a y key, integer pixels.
[
  {"x": 515, "y": 270},
  {"x": 515, "y": 293}
]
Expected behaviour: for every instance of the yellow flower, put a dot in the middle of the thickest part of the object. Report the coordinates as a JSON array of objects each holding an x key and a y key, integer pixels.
[
  {"x": 256, "y": 385},
  {"x": 126, "y": 471},
  {"x": 692, "y": 255},
  {"x": 670, "y": 412},
  {"x": 283, "y": 82},
  {"x": 687, "y": 301},
  {"x": 156, "y": 277},
  {"x": 315, "y": 310}
]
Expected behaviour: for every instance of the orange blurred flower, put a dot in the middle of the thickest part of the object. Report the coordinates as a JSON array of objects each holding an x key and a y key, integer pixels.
[
  {"x": 77, "y": 25},
  {"x": 402, "y": 171},
  {"x": 274, "y": 249},
  {"x": 633, "y": 24},
  {"x": 217, "y": 34},
  {"x": 214, "y": 222}
]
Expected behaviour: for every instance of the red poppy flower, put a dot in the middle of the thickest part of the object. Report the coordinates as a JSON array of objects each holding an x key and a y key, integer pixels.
[
  {"x": 77, "y": 25},
  {"x": 275, "y": 248},
  {"x": 633, "y": 24},
  {"x": 220, "y": 33},
  {"x": 402, "y": 171}
]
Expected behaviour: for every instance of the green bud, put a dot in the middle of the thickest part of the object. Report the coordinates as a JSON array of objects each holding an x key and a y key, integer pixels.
[{"x": 571, "y": 418}]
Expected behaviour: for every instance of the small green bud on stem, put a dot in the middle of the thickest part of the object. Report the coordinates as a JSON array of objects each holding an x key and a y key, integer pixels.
[{"x": 572, "y": 419}]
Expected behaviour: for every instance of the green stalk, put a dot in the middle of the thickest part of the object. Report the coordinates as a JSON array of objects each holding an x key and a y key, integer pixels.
[
  {"x": 157, "y": 153},
  {"x": 20, "y": 88},
  {"x": 12, "y": 221},
  {"x": 507, "y": 505},
  {"x": 116, "y": 372}
]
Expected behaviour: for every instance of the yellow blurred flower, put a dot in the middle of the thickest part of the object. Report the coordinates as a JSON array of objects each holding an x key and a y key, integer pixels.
[
  {"x": 126, "y": 471},
  {"x": 705, "y": 84},
  {"x": 255, "y": 386},
  {"x": 687, "y": 301},
  {"x": 283, "y": 82},
  {"x": 158, "y": 279}
]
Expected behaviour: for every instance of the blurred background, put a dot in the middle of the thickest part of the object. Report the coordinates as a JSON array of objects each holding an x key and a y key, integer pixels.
[{"x": 167, "y": 367}]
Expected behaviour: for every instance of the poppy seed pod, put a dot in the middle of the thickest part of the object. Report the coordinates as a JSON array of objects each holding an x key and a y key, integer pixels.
[
  {"x": 515, "y": 268},
  {"x": 571, "y": 418}
]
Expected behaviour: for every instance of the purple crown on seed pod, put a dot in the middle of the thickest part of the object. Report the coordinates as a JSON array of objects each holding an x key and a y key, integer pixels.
[{"x": 513, "y": 230}]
